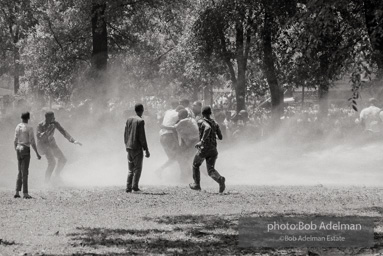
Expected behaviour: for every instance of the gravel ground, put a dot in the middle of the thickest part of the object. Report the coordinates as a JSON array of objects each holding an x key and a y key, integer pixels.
[{"x": 170, "y": 220}]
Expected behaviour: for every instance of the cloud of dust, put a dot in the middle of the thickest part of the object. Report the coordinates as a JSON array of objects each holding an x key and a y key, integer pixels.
[{"x": 102, "y": 160}]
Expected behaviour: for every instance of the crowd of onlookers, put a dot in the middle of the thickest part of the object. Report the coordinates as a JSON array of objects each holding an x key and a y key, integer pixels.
[{"x": 250, "y": 124}]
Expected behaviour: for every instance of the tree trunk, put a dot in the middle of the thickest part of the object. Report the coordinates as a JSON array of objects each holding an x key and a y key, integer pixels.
[
  {"x": 374, "y": 22},
  {"x": 16, "y": 70},
  {"x": 269, "y": 69},
  {"x": 323, "y": 99},
  {"x": 240, "y": 88},
  {"x": 99, "y": 36}
]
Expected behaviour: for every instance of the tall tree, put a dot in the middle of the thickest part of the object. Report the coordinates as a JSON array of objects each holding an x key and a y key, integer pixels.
[{"x": 373, "y": 11}]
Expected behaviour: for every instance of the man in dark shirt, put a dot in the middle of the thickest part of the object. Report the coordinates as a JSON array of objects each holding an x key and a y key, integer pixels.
[
  {"x": 47, "y": 144},
  {"x": 207, "y": 149},
  {"x": 135, "y": 143}
]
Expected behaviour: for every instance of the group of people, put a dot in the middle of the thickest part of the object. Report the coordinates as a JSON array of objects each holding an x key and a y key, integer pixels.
[
  {"x": 46, "y": 145},
  {"x": 184, "y": 132}
]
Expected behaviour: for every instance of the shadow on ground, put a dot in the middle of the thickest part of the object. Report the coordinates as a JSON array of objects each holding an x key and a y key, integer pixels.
[{"x": 190, "y": 235}]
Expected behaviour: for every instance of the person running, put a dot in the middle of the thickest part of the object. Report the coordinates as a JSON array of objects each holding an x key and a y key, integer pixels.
[
  {"x": 135, "y": 143},
  {"x": 47, "y": 144},
  {"x": 209, "y": 131},
  {"x": 24, "y": 139}
]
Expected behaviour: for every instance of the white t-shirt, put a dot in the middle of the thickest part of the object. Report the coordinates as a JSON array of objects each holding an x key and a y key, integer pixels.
[
  {"x": 170, "y": 119},
  {"x": 372, "y": 117}
]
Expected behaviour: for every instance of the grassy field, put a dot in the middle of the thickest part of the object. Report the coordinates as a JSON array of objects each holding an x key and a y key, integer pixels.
[{"x": 171, "y": 220}]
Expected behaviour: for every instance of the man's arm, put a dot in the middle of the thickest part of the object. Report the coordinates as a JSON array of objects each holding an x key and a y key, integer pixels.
[
  {"x": 33, "y": 142},
  {"x": 64, "y": 132},
  {"x": 142, "y": 137},
  {"x": 219, "y": 133},
  {"x": 206, "y": 132},
  {"x": 141, "y": 134},
  {"x": 168, "y": 127},
  {"x": 16, "y": 137},
  {"x": 126, "y": 134}
]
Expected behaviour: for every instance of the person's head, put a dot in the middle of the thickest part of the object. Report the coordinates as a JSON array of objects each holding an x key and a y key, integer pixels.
[
  {"x": 373, "y": 102},
  {"x": 206, "y": 111},
  {"x": 243, "y": 115},
  {"x": 197, "y": 107},
  {"x": 185, "y": 102},
  {"x": 25, "y": 116},
  {"x": 220, "y": 117},
  {"x": 180, "y": 107},
  {"x": 49, "y": 117},
  {"x": 174, "y": 104},
  {"x": 182, "y": 114},
  {"x": 139, "y": 108}
]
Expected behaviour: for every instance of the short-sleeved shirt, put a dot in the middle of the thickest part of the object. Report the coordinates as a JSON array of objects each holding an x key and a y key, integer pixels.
[
  {"x": 170, "y": 119},
  {"x": 24, "y": 135}
]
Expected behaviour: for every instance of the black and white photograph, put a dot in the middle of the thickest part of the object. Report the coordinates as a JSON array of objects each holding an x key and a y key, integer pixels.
[{"x": 191, "y": 127}]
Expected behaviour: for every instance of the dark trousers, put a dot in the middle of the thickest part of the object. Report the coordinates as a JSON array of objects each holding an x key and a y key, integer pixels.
[
  {"x": 210, "y": 156},
  {"x": 23, "y": 159},
  {"x": 51, "y": 153},
  {"x": 169, "y": 142},
  {"x": 135, "y": 159}
]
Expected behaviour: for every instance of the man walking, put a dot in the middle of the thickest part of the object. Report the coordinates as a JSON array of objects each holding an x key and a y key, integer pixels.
[
  {"x": 207, "y": 149},
  {"x": 135, "y": 143},
  {"x": 47, "y": 144},
  {"x": 24, "y": 139}
]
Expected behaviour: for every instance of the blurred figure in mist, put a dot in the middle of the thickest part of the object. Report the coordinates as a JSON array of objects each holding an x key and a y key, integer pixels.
[
  {"x": 220, "y": 118},
  {"x": 24, "y": 139},
  {"x": 197, "y": 108},
  {"x": 371, "y": 117},
  {"x": 186, "y": 104},
  {"x": 209, "y": 131},
  {"x": 187, "y": 131},
  {"x": 135, "y": 143},
  {"x": 48, "y": 146},
  {"x": 168, "y": 138}
]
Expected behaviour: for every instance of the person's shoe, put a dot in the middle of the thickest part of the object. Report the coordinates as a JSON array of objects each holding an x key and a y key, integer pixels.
[
  {"x": 16, "y": 196},
  {"x": 222, "y": 184},
  {"x": 128, "y": 190},
  {"x": 27, "y": 197},
  {"x": 136, "y": 190},
  {"x": 195, "y": 186}
]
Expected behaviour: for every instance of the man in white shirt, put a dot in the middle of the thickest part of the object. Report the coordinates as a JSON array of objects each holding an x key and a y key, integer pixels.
[
  {"x": 168, "y": 138},
  {"x": 24, "y": 139},
  {"x": 371, "y": 117}
]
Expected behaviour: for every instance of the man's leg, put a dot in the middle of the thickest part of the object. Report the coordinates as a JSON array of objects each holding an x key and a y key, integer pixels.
[
  {"x": 169, "y": 143},
  {"x": 61, "y": 160},
  {"x": 19, "y": 175},
  {"x": 138, "y": 160},
  {"x": 51, "y": 163},
  {"x": 130, "y": 173},
  {"x": 198, "y": 160},
  {"x": 213, "y": 173},
  {"x": 25, "y": 172}
]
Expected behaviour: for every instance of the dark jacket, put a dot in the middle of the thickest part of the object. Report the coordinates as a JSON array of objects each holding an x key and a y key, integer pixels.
[
  {"x": 208, "y": 132},
  {"x": 134, "y": 136},
  {"x": 45, "y": 134}
]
